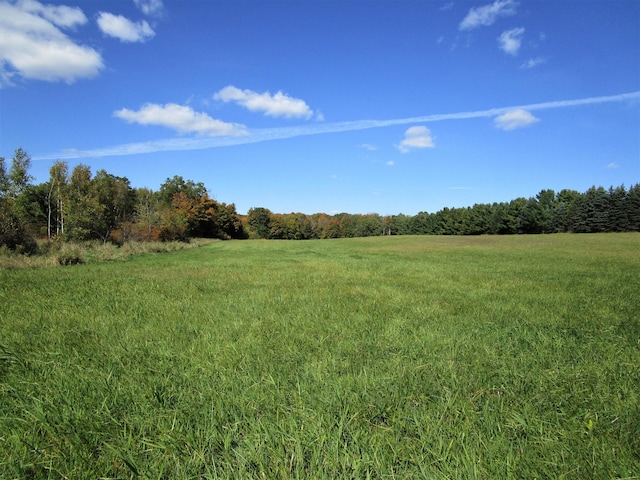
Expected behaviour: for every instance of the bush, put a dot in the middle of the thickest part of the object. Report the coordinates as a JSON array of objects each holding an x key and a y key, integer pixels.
[
  {"x": 70, "y": 255},
  {"x": 13, "y": 234}
]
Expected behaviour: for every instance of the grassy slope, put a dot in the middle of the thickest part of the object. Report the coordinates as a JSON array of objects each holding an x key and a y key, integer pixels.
[{"x": 401, "y": 357}]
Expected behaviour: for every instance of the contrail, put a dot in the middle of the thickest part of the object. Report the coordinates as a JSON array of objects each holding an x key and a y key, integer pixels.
[{"x": 267, "y": 134}]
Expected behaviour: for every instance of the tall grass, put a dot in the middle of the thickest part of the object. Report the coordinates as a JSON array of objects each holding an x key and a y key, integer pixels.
[
  {"x": 53, "y": 253},
  {"x": 402, "y": 357}
]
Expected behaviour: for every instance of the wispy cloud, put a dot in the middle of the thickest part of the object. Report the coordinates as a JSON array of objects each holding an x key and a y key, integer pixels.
[
  {"x": 276, "y": 105},
  {"x": 34, "y": 46},
  {"x": 123, "y": 29},
  {"x": 266, "y": 134},
  {"x": 533, "y": 62},
  {"x": 511, "y": 40},
  {"x": 152, "y": 8},
  {"x": 488, "y": 14},
  {"x": 613, "y": 165},
  {"x": 368, "y": 146}
]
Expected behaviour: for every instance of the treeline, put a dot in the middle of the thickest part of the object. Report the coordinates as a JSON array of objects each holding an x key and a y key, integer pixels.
[
  {"x": 77, "y": 206},
  {"x": 596, "y": 210}
]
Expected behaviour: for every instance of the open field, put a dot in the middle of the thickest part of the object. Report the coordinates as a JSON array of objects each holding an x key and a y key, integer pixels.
[{"x": 395, "y": 357}]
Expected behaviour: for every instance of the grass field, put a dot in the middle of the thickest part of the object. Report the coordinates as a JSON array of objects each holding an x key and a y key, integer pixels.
[{"x": 396, "y": 357}]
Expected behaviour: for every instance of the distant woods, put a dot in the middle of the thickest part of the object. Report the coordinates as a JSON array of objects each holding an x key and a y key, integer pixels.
[
  {"x": 596, "y": 210},
  {"x": 77, "y": 206}
]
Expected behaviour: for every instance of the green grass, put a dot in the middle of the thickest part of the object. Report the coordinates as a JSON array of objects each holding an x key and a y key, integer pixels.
[{"x": 399, "y": 357}]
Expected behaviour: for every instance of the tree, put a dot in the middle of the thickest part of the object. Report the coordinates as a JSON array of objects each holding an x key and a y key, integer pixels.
[
  {"x": 399, "y": 224},
  {"x": 618, "y": 218},
  {"x": 14, "y": 233},
  {"x": 547, "y": 202},
  {"x": 58, "y": 179},
  {"x": 177, "y": 184},
  {"x": 31, "y": 207},
  {"x": 147, "y": 213},
  {"x": 19, "y": 177},
  {"x": 501, "y": 221},
  {"x": 591, "y": 213},
  {"x": 478, "y": 219},
  {"x": 84, "y": 213},
  {"x": 421, "y": 224},
  {"x": 4, "y": 179},
  {"x": 538, "y": 213},
  {"x": 633, "y": 207},
  {"x": 566, "y": 202},
  {"x": 259, "y": 220},
  {"x": 531, "y": 217},
  {"x": 229, "y": 222},
  {"x": 367, "y": 225},
  {"x": 117, "y": 199}
]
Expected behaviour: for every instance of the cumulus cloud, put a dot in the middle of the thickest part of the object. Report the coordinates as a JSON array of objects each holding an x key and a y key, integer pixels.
[
  {"x": 60, "y": 15},
  {"x": 182, "y": 119},
  {"x": 152, "y": 8},
  {"x": 516, "y": 118},
  {"x": 511, "y": 40},
  {"x": 415, "y": 138},
  {"x": 33, "y": 45},
  {"x": 488, "y": 14},
  {"x": 277, "y": 105},
  {"x": 124, "y": 29}
]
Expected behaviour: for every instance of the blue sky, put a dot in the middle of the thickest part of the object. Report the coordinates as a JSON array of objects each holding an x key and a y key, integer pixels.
[{"x": 329, "y": 106}]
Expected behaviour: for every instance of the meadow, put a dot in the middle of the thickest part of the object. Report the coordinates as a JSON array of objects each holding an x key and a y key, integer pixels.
[{"x": 388, "y": 357}]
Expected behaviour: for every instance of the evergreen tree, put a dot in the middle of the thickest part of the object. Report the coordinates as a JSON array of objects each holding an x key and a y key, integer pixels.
[
  {"x": 566, "y": 204},
  {"x": 633, "y": 207},
  {"x": 618, "y": 218}
]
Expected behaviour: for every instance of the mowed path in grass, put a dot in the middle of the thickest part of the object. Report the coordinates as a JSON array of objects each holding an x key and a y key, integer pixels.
[{"x": 394, "y": 357}]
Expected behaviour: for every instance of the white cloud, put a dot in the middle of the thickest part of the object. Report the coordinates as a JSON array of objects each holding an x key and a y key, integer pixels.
[
  {"x": 613, "y": 165},
  {"x": 280, "y": 133},
  {"x": 182, "y": 119},
  {"x": 152, "y": 8},
  {"x": 511, "y": 40},
  {"x": 516, "y": 118},
  {"x": 390, "y": 163},
  {"x": 278, "y": 105},
  {"x": 33, "y": 46},
  {"x": 124, "y": 29},
  {"x": 487, "y": 15},
  {"x": 60, "y": 15},
  {"x": 368, "y": 146},
  {"x": 416, "y": 137},
  {"x": 533, "y": 62}
]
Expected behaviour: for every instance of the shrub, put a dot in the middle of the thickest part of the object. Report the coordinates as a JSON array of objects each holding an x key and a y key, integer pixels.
[
  {"x": 13, "y": 234},
  {"x": 70, "y": 255}
]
